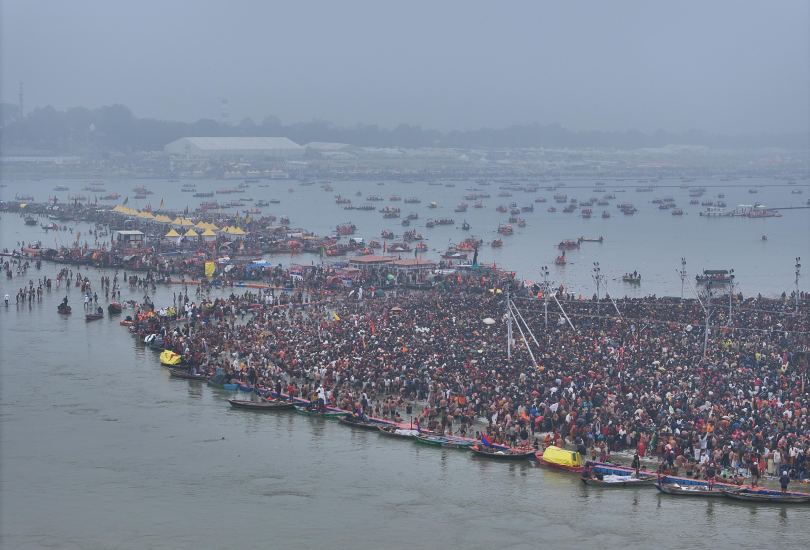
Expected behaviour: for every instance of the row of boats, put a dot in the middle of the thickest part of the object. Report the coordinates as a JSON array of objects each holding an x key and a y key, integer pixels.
[{"x": 600, "y": 474}]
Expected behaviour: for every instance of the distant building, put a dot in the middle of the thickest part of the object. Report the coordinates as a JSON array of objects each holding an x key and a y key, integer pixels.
[{"x": 222, "y": 147}]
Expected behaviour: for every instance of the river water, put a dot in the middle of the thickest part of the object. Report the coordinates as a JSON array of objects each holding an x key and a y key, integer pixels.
[
  {"x": 652, "y": 241},
  {"x": 101, "y": 449}
]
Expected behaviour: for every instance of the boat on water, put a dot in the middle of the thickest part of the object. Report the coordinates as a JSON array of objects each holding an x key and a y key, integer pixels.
[
  {"x": 590, "y": 240},
  {"x": 690, "y": 490},
  {"x": 185, "y": 375},
  {"x": 562, "y": 459},
  {"x": 714, "y": 276},
  {"x": 620, "y": 481},
  {"x": 262, "y": 406},
  {"x": 606, "y": 214},
  {"x": 497, "y": 453},
  {"x": 765, "y": 495},
  {"x": 356, "y": 422},
  {"x": 444, "y": 441},
  {"x": 328, "y": 414},
  {"x": 497, "y": 243},
  {"x": 61, "y": 188},
  {"x": 96, "y": 315},
  {"x": 395, "y": 431},
  {"x": 168, "y": 358},
  {"x": 63, "y": 309},
  {"x": 29, "y": 220},
  {"x": 632, "y": 279}
]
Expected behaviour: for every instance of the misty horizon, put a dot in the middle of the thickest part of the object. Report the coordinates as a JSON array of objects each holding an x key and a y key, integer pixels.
[{"x": 724, "y": 68}]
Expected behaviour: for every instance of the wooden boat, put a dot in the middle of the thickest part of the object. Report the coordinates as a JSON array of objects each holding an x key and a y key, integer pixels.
[
  {"x": 611, "y": 481},
  {"x": 114, "y": 308},
  {"x": 501, "y": 454},
  {"x": 763, "y": 495},
  {"x": 93, "y": 316},
  {"x": 444, "y": 441},
  {"x": 230, "y": 387},
  {"x": 692, "y": 490},
  {"x": 63, "y": 310},
  {"x": 560, "y": 458},
  {"x": 185, "y": 375},
  {"x": 355, "y": 422},
  {"x": 395, "y": 431},
  {"x": 327, "y": 414},
  {"x": 262, "y": 406},
  {"x": 632, "y": 280}
]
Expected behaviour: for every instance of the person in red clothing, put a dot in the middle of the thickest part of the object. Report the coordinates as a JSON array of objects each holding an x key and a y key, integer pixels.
[
  {"x": 641, "y": 449},
  {"x": 290, "y": 390}
]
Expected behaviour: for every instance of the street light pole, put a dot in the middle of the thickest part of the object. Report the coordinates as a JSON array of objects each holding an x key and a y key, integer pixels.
[
  {"x": 798, "y": 265},
  {"x": 508, "y": 326},
  {"x": 598, "y": 278},
  {"x": 544, "y": 271},
  {"x": 730, "y": 292},
  {"x": 708, "y": 316},
  {"x": 682, "y": 273}
]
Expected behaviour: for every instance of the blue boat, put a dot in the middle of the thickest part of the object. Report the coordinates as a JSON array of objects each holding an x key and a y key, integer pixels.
[{"x": 245, "y": 388}]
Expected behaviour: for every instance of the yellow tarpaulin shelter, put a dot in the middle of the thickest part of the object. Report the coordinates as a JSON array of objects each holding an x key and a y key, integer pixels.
[
  {"x": 562, "y": 457},
  {"x": 172, "y": 233},
  {"x": 210, "y": 267}
]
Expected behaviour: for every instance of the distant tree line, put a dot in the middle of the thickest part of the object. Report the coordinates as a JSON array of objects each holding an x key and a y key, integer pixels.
[{"x": 79, "y": 129}]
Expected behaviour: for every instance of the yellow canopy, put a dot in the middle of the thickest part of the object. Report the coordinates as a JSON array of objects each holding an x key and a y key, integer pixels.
[
  {"x": 192, "y": 233},
  {"x": 209, "y": 233},
  {"x": 201, "y": 225},
  {"x": 237, "y": 231},
  {"x": 177, "y": 221},
  {"x": 172, "y": 233},
  {"x": 118, "y": 208},
  {"x": 184, "y": 222},
  {"x": 562, "y": 457},
  {"x": 146, "y": 215}
]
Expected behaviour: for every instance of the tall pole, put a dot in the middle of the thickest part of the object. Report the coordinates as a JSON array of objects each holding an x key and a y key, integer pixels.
[
  {"x": 544, "y": 270},
  {"x": 730, "y": 292},
  {"x": 798, "y": 265},
  {"x": 682, "y": 273},
  {"x": 508, "y": 326},
  {"x": 598, "y": 278},
  {"x": 708, "y": 315}
]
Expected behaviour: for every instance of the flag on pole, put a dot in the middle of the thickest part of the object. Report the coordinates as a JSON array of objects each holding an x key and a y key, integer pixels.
[
  {"x": 248, "y": 219},
  {"x": 336, "y": 316},
  {"x": 126, "y": 201},
  {"x": 383, "y": 247},
  {"x": 161, "y": 203}
]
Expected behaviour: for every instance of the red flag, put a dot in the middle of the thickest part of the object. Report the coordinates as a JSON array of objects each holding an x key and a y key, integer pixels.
[{"x": 383, "y": 247}]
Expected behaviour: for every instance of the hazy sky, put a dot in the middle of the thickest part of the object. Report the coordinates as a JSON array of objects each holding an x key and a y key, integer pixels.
[{"x": 723, "y": 66}]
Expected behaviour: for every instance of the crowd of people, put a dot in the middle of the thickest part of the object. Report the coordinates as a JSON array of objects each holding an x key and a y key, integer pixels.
[{"x": 626, "y": 378}]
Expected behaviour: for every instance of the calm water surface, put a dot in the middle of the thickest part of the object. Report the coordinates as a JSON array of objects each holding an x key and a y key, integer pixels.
[{"x": 101, "y": 449}]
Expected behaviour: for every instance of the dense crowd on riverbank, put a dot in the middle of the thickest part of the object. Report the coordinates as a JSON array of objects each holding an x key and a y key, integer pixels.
[{"x": 633, "y": 379}]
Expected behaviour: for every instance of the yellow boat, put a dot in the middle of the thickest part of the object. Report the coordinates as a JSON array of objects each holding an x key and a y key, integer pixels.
[{"x": 560, "y": 458}]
